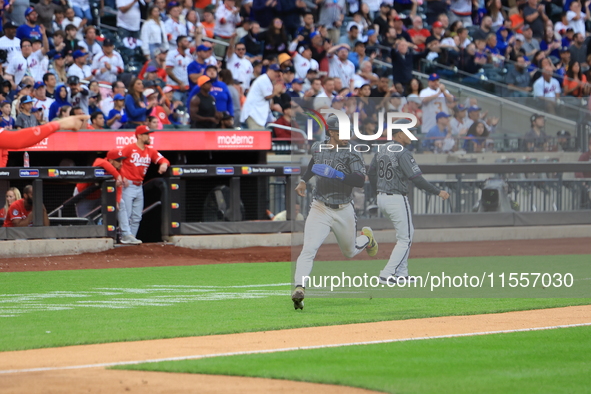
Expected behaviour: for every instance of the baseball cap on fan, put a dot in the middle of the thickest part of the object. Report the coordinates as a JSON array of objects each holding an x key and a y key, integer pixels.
[
  {"x": 142, "y": 130},
  {"x": 115, "y": 154}
]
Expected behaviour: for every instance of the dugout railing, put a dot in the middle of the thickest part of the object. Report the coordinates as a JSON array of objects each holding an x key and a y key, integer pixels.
[{"x": 50, "y": 185}]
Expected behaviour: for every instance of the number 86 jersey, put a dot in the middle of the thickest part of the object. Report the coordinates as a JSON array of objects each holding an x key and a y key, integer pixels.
[{"x": 392, "y": 167}]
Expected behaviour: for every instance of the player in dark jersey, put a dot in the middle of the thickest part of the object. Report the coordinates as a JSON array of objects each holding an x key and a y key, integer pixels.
[
  {"x": 338, "y": 172},
  {"x": 390, "y": 170}
]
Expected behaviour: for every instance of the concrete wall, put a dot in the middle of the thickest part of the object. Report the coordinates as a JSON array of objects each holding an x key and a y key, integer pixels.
[{"x": 53, "y": 247}]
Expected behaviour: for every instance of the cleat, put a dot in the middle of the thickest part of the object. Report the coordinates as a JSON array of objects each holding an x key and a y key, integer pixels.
[
  {"x": 298, "y": 298},
  {"x": 130, "y": 240},
  {"x": 372, "y": 246}
]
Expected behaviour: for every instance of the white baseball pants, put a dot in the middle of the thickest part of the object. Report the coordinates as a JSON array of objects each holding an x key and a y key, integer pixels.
[
  {"x": 397, "y": 209},
  {"x": 321, "y": 220},
  {"x": 123, "y": 218}
]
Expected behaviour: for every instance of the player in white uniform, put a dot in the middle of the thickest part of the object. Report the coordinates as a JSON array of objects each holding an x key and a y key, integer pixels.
[
  {"x": 390, "y": 170},
  {"x": 338, "y": 171},
  {"x": 435, "y": 99}
]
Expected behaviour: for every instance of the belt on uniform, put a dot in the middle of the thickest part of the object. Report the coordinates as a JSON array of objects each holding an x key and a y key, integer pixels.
[
  {"x": 336, "y": 206},
  {"x": 391, "y": 194},
  {"x": 136, "y": 183}
]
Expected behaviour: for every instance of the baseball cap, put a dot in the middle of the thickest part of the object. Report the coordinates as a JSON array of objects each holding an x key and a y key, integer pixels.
[
  {"x": 288, "y": 70},
  {"x": 23, "y": 85},
  {"x": 158, "y": 51},
  {"x": 384, "y": 4},
  {"x": 10, "y": 25},
  {"x": 460, "y": 108},
  {"x": 35, "y": 109},
  {"x": 302, "y": 48},
  {"x": 474, "y": 108},
  {"x": 395, "y": 94},
  {"x": 149, "y": 92},
  {"x": 283, "y": 57},
  {"x": 519, "y": 37},
  {"x": 108, "y": 43},
  {"x": 564, "y": 133},
  {"x": 142, "y": 130},
  {"x": 536, "y": 116},
  {"x": 314, "y": 34},
  {"x": 226, "y": 115},
  {"x": 525, "y": 27},
  {"x": 311, "y": 70},
  {"x": 78, "y": 53},
  {"x": 441, "y": 115},
  {"x": 433, "y": 77},
  {"x": 430, "y": 39},
  {"x": 353, "y": 27},
  {"x": 399, "y": 17},
  {"x": 118, "y": 97},
  {"x": 371, "y": 32},
  {"x": 29, "y": 11},
  {"x": 39, "y": 85},
  {"x": 4, "y": 103},
  {"x": 57, "y": 56},
  {"x": 167, "y": 89},
  {"x": 297, "y": 80},
  {"x": 203, "y": 80},
  {"x": 564, "y": 49},
  {"x": 26, "y": 99},
  {"x": 203, "y": 48},
  {"x": 115, "y": 154},
  {"x": 274, "y": 67},
  {"x": 172, "y": 4},
  {"x": 438, "y": 24},
  {"x": 73, "y": 80},
  {"x": 151, "y": 69}
]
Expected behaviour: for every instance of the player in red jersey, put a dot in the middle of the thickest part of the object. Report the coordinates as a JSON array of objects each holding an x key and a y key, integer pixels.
[
  {"x": 20, "y": 212},
  {"x": 139, "y": 156}
]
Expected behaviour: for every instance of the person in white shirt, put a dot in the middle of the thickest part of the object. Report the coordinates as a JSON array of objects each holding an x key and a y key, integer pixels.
[
  {"x": 257, "y": 109},
  {"x": 576, "y": 18},
  {"x": 339, "y": 65},
  {"x": 80, "y": 69},
  {"x": 78, "y": 94},
  {"x": 9, "y": 42},
  {"x": 238, "y": 64},
  {"x": 324, "y": 97},
  {"x": 177, "y": 62},
  {"x": 91, "y": 46},
  {"x": 173, "y": 26},
  {"x": 227, "y": 17},
  {"x": 40, "y": 100},
  {"x": 72, "y": 19},
  {"x": 28, "y": 62},
  {"x": 153, "y": 33},
  {"x": 107, "y": 104},
  {"x": 108, "y": 64},
  {"x": 302, "y": 61},
  {"x": 128, "y": 18},
  {"x": 546, "y": 86},
  {"x": 435, "y": 99}
]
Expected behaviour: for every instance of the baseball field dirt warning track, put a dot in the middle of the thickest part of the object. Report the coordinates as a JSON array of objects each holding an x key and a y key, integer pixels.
[{"x": 74, "y": 369}]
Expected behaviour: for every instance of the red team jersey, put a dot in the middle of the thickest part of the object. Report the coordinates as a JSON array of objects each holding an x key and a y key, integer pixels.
[
  {"x": 104, "y": 163},
  {"x": 16, "y": 211},
  {"x": 136, "y": 165}
]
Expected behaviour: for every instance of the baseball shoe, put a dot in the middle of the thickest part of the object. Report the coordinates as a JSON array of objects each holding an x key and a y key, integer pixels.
[
  {"x": 298, "y": 298},
  {"x": 398, "y": 280},
  {"x": 372, "y": 246},
  {"x": 130, "y": 240}
]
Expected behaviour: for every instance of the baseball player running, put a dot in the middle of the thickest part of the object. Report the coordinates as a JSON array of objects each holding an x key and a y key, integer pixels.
[
  {"x": 338, "y": 171},
  {"x": 390, "y": 170},
  {"x": 134, "y": 168}
]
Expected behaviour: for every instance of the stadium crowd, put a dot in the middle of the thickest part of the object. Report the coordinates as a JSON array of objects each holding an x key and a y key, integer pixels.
[{"x": 231, "y": 63}]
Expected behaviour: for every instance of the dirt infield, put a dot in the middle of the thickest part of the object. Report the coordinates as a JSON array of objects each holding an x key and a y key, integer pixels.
[
  {"x": 86, "y": 375},
  {"x": 74, "y": 369},
  {"x": 159, "y": 255}
]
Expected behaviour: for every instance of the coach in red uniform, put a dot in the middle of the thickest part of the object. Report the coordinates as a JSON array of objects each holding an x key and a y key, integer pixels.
[
  {"x": 139, "y": 156},
  {"x": 20, "y": 212}
]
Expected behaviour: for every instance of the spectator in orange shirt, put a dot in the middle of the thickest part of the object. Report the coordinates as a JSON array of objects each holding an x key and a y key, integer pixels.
[
  {"x": 517, "y": 20},
  {"x": 208, "y": 21}
]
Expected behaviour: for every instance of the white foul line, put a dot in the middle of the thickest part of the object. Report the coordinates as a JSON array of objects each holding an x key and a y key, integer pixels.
[{"x": 287, "y": 349}]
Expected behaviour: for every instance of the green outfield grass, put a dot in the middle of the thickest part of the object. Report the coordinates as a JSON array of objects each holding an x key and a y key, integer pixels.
[
  {"x": 58, "y": 308},
  {"x": 550, "y": 361}
]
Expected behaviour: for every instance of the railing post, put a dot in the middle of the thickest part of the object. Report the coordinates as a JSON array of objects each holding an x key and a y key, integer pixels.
[
  {"x": 38, "y": 202},
  {"x": 459, "y": 193},
  {"x": 166, "y": 207},
  {"x": 559, "y": 194},
  {"x": 235, "y": 199},
  {"x": 289, "y": 197},
  {"x": 177, "y": 208},
  {"x": 108, "y": 203}
]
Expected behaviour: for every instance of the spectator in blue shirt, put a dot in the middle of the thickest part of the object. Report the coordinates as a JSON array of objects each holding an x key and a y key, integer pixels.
[
  {"x": 219, "y": 91},
  {"x": 61, "y": 99},
  {"x": 6, "y": 121},
  {"x": 136, "y": 105},
  {"x": 435, "y": 136},
  {"x": 198, "y": 66},
  {"x": 117, "y": 117},
  {"x": 30, "y": 29},
  {"x": 357, "y": 55}
]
